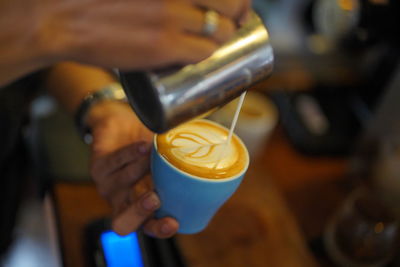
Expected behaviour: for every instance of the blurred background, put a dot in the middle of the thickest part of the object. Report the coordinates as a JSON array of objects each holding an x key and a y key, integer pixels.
[{"x": 323, "y": 188}]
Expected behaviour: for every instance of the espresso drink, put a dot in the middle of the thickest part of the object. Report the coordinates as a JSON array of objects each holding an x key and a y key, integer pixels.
[{"x": 200, "y": 148}]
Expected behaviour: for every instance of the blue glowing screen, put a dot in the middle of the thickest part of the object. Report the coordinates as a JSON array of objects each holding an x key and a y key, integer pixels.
[{"x": 121, "y": 251}]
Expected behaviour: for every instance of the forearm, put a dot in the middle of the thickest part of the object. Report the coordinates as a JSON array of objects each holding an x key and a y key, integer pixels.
[
  {"x": 70, "y": 82},
  {"x": 20, "y": 52},
  {"x": 132, "y": 35}
]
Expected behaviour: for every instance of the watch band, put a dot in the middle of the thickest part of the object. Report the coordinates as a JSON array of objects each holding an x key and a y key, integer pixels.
[{"x": 112, "y": 91}]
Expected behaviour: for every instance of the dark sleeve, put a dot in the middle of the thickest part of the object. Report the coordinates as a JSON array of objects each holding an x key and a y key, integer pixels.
[{"x": 15, "y": 102}]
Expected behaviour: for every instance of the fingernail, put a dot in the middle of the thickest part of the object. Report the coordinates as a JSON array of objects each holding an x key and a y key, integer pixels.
[
  {"x": 144, "y": 148},
  {"x": 166, "y": 229},
  {"x": 150, "y": 202}
]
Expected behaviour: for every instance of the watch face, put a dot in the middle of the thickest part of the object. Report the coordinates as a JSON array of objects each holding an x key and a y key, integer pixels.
[{"x": 334, "y": 19}]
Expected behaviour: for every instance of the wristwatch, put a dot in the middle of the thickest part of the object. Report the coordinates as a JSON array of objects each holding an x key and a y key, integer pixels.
[{"x": 112, "y": 91}]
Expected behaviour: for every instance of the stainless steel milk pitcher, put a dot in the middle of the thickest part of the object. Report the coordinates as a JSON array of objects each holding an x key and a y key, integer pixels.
[{"x": 167, "y": 98}]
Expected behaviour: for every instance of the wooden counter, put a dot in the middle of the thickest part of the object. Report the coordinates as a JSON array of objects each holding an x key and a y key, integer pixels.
[{"x": 283, "y": 202}]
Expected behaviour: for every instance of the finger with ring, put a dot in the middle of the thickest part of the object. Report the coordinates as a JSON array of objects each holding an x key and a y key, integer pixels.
[{"x": 211, "y": 21}]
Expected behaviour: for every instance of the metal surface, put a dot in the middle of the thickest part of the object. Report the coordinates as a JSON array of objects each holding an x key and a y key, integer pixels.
[{"x": 164, "y": 99}]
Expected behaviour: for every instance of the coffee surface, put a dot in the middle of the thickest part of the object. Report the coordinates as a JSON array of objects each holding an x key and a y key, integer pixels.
[{"x": 199, "y": 148}]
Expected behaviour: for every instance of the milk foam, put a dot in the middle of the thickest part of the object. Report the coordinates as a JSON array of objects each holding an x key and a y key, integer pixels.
[{"x": 197, "y": 146}]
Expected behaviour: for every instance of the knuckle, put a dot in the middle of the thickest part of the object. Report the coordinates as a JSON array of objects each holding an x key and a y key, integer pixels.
[
  {"x": 118, "y": 159},
  {"x": 123, "y": 157},
  {"x": 230, "y": 9},
  {"x": 161, "y": 43},
  {"x": 164, "y": 38},
  {"x": 227, "y": 30},
  {"x": 236, "y": 8},
  {"x": 146, "y": 204},
  {"x": 126, "y": 177},
  {"x": 162, "y": 11},
  {"x": 230, "y": 28},
  {"x": 141, "y": 212}
]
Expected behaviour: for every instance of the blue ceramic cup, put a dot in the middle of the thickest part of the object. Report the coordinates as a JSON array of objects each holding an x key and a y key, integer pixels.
[{"x": 190, "y": 199}]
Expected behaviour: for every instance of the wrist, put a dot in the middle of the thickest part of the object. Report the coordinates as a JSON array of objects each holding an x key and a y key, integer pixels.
[
  {"x": 97, "y": 106},
  {"x": 102, "y": 112}
]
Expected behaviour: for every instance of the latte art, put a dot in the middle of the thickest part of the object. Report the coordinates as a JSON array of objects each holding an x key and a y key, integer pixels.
[{"x": 199, "y": 148}]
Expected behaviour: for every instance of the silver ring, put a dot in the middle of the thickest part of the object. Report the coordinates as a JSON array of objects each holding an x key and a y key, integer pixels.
[{"x": 211, "y": 20}]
